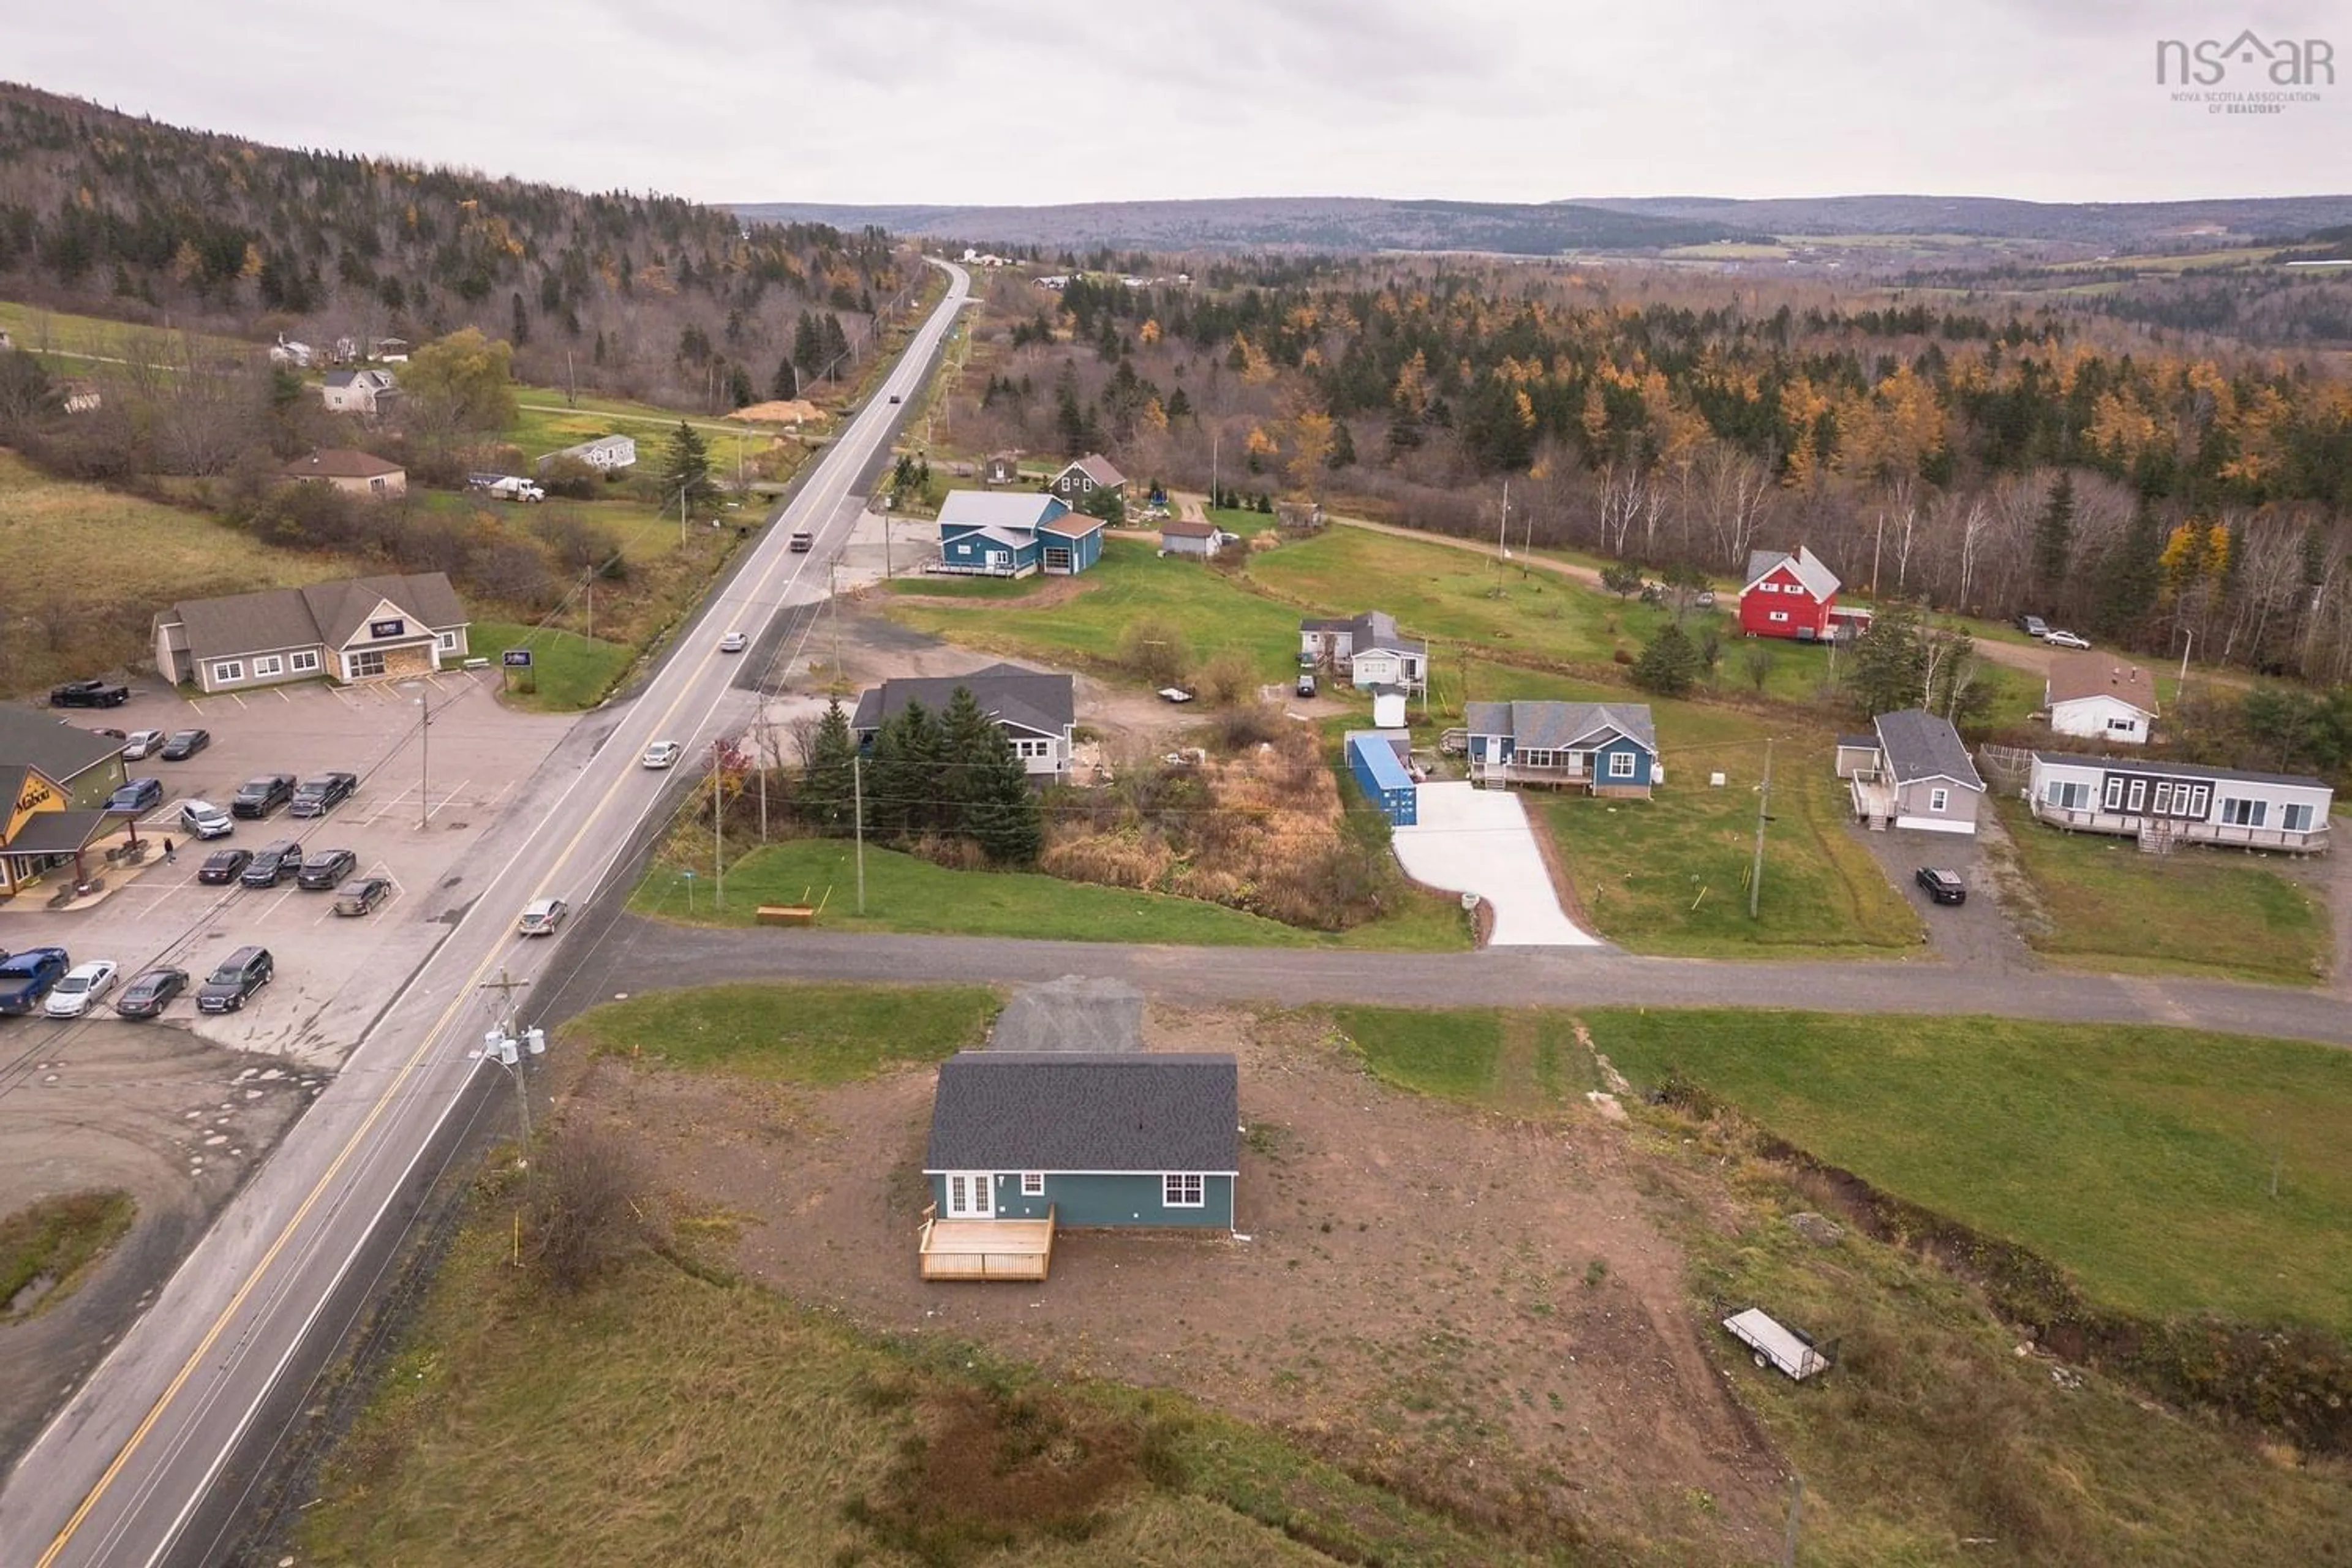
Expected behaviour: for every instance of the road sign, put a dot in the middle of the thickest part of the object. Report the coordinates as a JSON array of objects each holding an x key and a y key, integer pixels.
[{"x": 516, "y": 658}]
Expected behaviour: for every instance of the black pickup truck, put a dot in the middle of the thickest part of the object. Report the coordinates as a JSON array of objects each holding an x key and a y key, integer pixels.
[{"x": 89, "y": 694}]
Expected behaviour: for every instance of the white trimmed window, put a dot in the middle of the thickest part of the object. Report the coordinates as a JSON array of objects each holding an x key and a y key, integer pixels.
[
  {"x": 2122, "y": 726},
  {"x": 1180, "y": 1191},
  {"x": 2200, "y": 799},
  {"x": 1780, "y": 614},
  {"x": 2114, "y": 798},
  {"x": 305, "y": 663},
  {"x": 1768, "y": 588},
  {"x": 2295, "y": 818},
  {"x": 2243, "y": 813},
  {"x": 229, "y": 670},
  {"x": 1539, "y": 759},
  {"x": 1033, "y": 1183},
  {"x": 271, "y": 665},
  {"x": 2138, "y": 794},
  {"x": 364, "y": 665},
  {"x": 969, "y": 1195},
  {"x": 1939, "y": 800},
  {"x": 1621, "y": 764},
  {"x": 1029, "y": 749},
  {"x": 445, "y": 641}
]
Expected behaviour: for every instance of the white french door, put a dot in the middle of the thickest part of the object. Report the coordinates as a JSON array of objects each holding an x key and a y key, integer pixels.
[{"x": 971, "y": 1196}]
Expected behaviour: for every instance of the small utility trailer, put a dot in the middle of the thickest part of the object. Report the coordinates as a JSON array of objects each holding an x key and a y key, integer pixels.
[{"x": 1776, "y": 1344}]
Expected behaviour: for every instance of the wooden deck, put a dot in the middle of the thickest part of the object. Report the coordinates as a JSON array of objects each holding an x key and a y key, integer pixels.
[{"x": 986, "y": 1248}]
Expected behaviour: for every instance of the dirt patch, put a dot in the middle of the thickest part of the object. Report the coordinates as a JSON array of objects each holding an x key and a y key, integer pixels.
[
  {"x": 1467, "y": 1306},
  {"x": 790, "y": 411},
  {"x": 148, "y": 1109}
]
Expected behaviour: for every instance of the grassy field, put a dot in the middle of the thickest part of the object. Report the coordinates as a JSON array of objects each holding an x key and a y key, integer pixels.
[
  {"x": 904, "y": 893},
  {"x": 49, "y": 1244},
  {"x": 569, "y": 671},
  {"x": 792, "y": 1034},
  {"x": 2139, "y": 1159},
  {"x": 2209, "y": 912},
  {"x": 1133, "y": 580},
  {"x": 545, "y": 423},
  {"x": 68, "y": 336},
  {"x": 712, "y": 1424}
]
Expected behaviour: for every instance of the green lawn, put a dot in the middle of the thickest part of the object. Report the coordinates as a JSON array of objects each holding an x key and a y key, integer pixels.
[
  {"x": 2211, "y": 911},
  {"x": 570, "y": 672},
  {"x": 904, "y": 893},
  {"x": 57, "y": 1240},
  {"x": 71, "y": 337},
  {"x": 1524, "y": 1061},
  {"x": 543, "y": 423},
  {"x": 819, "y": 1034},
  {"x": 1132, "y": 581},
  {"x": 2139, "y": 1159}
]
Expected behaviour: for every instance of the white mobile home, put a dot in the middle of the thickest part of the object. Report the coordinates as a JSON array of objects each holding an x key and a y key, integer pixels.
[{"x": 2161, "y": 804}]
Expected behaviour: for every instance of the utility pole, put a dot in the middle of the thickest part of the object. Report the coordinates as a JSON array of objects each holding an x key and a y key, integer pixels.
[
  {"x": 1763, "y": 806},
  {"x": 2182, "y": 689},
  {"x": 1796, "y": 1518},
  {"x": 424, "y": 761},
  {"x": 508, "y": 1043},
  {"x": 588, "y": 590},
  {"x": 1214, "y": 438},
  {"x": 718, "y": 847},
  {"x": 857, "y": 813}
]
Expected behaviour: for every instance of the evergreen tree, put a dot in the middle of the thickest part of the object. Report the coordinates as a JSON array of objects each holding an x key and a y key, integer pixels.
[
  {"x": 1670, "y": 664},
  {"x": 1003, "y": 815},
  {"x": 1343, "y": 448},
  {"x": 827, "y": 790},
  {"x": 969, "y": 742},
  {"x": 685, "y": 467},
  {"x": 1179, "y": 405},
  {"x": 521, "y": 322},
  {"x": 1888, "y": 666},
  {"x": 2053, "y": 539},
  {"x": 2130, "y": 574},
  {"x": 808, "y": 346},
  {"x": 786, "y": 386},
  {"x": 836, "y": 345},
  {"x": 905, "y": 773}
]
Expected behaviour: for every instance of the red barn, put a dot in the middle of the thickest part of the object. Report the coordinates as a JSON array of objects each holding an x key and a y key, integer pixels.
[{"x": 1793, "y": 596}]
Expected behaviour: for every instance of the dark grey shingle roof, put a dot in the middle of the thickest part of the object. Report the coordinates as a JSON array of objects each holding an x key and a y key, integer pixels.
[
  {"x": 2179, "y": 770},
  {"x": 1550, "y": 726},
  {"x": 1918, "y": 745},
  {"x": 63, "y": 752},
  {"x": 1042, "y": 704},
  {"x": 1026, "y": 1111}
]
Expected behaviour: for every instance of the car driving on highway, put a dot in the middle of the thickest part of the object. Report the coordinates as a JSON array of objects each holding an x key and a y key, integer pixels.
[{"x": 662, "y": 753}]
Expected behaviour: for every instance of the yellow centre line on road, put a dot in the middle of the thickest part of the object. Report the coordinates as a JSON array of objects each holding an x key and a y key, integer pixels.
[{"x": 358, "y": 1135}]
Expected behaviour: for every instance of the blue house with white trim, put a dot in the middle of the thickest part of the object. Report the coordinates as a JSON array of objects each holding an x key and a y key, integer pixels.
[
  {"x": 1012, "y": 533},
  {"x": 1602, "y": 748},
  {"x": 1100, "y": 1138}
]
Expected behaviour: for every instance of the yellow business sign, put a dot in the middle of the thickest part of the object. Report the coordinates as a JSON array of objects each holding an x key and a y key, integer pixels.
[{"x": 37, "y": 794}]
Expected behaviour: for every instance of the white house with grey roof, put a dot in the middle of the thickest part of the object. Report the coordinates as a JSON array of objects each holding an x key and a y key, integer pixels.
[
  {"x": 366, "y": 393},
  {"x": 2161, "y": 804},
  {"x": 1601, "y": 748},
  {"x": 1913, "y": 771},
  {"x": 1368, "y": 649},
  {"x": 355, "y": 629},
  {"x": 1037, "y": 712},
  {"x": 606, "y": 454}
]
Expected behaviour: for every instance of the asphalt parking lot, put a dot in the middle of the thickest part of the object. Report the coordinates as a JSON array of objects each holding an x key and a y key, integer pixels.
[{"x": 422, "y": 803}]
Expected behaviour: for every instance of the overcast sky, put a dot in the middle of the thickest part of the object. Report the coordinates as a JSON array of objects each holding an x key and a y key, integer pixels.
[{"x": 1063, "y": 101}]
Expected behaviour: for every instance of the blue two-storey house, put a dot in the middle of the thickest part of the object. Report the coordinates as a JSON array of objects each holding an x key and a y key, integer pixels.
[{"x": 1012, "y": 533}]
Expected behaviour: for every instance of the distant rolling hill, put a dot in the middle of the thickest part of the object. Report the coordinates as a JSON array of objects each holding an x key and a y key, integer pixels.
[
  {"x": 1342, "y": 223},
  {"x": 1257, "y": 222}
]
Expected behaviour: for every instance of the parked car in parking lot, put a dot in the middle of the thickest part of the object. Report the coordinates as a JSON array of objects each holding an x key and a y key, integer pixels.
[
  {"x": 89, "y": 694},
  {"x": 142, "y": 744},
  {"x": 362, "y": 894},
  {"x": 2058, "y": 639},
  {"x": 231, "y": 985},
  {"x": 147, "y": 995},
  {"x": 271, "y": 864},
  {"x": 321, "y": 794},
  {"x": 224, "y": 866},
  {"x": 662, "y": 753},
  {"x": 138, "y": 795},
  {"x": 541, "y": 917},
  {"x": 79, "y": 987},
  {"x": 257, "y": 797},
  {"x": 26, "y": 977},
  {"x": 1943, "y": 886},
  {"x": 202, "y": 819},
  {"x": 185, "y": 744},
  {"x": 325, "y": 869}
]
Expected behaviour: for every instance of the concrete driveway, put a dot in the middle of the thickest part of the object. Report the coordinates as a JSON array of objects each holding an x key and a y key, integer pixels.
[{"x": 1472, "y": 840}]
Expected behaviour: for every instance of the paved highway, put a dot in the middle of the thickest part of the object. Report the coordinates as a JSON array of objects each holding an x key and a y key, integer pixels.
[{"x": 118, "y": 1477}]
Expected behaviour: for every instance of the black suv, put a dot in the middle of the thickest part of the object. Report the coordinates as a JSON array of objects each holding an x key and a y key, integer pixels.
[
  {"x": 271, "y": 864},
  {"x": 231, "y": 985},
  {"x": 325, "y": 869},
  {"x": 89, "y": 694},
  {"x": 1944, "y": 887},
  {"x": 318, "y": 795},
  {"x": 258, "y": 798}
]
